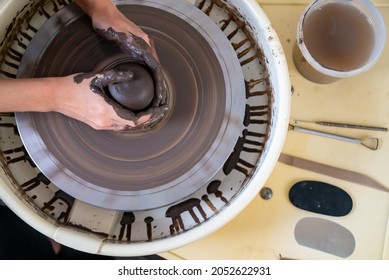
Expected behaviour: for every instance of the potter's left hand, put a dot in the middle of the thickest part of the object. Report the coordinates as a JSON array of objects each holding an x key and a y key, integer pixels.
[
  {"x": 85, "y": 99},
  {"x": 79, "y": 96}
]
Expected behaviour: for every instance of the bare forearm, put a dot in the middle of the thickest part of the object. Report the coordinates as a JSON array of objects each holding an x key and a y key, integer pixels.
[
  {"x": 65, "y": 95},
  {"x": 21, "y": 95}
]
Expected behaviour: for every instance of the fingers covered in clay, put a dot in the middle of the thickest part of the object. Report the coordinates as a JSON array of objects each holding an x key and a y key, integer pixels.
[
  {"x": 139, "y": 51},
  {"x": 149, "y": 118},
  {"x": 115, "y": 116}
]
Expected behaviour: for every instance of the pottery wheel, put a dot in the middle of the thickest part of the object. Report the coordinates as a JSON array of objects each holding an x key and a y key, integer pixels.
[{"x": 146, "y": 170}]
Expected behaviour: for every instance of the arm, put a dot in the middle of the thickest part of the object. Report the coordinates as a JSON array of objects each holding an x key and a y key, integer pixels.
[
  {"x": 20, "y": 95},
  {"x": 65, "y": 96},
  {"x": 77, "y": 100}
]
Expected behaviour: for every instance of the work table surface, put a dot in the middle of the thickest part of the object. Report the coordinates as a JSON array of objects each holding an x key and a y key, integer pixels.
[{"x": 265, "y": 229}]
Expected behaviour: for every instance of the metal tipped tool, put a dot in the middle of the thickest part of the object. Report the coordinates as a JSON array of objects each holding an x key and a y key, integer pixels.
[{"x": 369, "y": 142}]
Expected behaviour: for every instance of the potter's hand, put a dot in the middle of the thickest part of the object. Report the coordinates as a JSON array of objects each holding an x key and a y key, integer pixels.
[
  {"x": 114, "y": 26},
  {"x": 87, "y": 101},
  {"x": 109, "y": 22},
  {"x": 139, "y": 51},
  {"x": 79, "y": 96}
]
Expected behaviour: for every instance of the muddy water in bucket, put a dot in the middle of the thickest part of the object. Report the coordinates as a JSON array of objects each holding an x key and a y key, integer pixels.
[{"x": 338, "y": 39}]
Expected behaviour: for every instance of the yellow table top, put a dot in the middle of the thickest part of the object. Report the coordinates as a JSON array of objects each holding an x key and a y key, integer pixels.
[{"x": 265, "y": 229}]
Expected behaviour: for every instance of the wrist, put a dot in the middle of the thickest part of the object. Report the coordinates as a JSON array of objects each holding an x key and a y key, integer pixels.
[{"x": 61, "y": 93}]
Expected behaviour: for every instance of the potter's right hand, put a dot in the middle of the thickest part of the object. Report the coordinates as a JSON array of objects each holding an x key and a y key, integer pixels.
[
  {"x": 141, "y": 52},
  {"x": 113, "y": 25}
]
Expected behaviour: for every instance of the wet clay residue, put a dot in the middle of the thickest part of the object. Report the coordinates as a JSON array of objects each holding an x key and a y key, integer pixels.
[
  {"x": 136, "y": 94},
  {"x": 174, "y": 212},
  {"x": 126, "y": 222},
  {"x": 102, "y": 80},
  {"x": 138, "y": 51}
]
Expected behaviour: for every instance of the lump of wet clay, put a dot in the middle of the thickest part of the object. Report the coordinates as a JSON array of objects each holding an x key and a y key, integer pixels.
[{"x": 136, "y": 94}]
